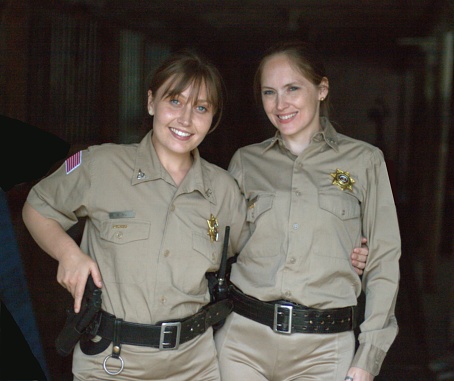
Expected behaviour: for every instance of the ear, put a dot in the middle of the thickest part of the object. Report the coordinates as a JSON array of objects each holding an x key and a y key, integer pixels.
[
  {"x": 324, "y": 88},
  {"x": 150, "y": 103}
]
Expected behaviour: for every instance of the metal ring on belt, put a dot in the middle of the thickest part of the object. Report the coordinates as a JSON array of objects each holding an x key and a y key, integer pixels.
[{"x": 286, "y": 317}]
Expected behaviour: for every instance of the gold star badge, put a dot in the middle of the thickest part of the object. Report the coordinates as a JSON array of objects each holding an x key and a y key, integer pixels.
[
  {"x": 342, "y": 180},
  {"x": 213, "y": 226}
]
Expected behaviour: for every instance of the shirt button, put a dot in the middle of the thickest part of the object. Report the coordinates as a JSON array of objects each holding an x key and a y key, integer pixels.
[
  {"x": 119, "y": 235},
  {"x": 343, "y": 212},
  {"x": 172, "y": 208},
  {"x": 292, "y": 260},
  {"x": 166, "y": 253},
  {"x": 298, "y": 193},
  {"x": 295, "y": 226},
  {"x": 288, "y": 293},
  {"x": 163, "y": 300}
]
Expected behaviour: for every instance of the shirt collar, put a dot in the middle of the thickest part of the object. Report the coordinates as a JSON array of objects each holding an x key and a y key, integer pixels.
[
  {"x": 199, "y": 179},
  {"x": 328, "y": 134},
  {"x": 276, "y": 139},
  {"x": 148, "y": 167}
]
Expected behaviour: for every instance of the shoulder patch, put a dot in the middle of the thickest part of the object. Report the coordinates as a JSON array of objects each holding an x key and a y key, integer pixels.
[{"x": 73, "y": 162}]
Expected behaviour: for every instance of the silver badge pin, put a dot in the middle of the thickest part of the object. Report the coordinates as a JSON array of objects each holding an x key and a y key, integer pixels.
[{"x": 140, "y": 175}]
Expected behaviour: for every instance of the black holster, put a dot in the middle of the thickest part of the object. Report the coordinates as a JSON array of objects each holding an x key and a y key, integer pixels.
[{"x": 82, "y": 325}]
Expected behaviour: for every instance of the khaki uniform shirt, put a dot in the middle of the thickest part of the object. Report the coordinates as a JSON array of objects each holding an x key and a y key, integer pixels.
[
  {"x": 306, "y": 221},
  {"x": 149, "y": 237}
]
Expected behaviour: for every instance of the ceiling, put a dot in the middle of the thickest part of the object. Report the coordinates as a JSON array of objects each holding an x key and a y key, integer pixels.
[{"x": 352, "y": 25}]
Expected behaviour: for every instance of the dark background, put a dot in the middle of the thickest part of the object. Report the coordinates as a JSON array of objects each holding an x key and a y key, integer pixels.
[{"x": 78, "y": 69}]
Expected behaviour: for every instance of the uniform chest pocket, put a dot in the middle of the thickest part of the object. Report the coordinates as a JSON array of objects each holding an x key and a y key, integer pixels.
[
  {"x": 189, "y": 268},
  {"x": 124, "y": 252},
  {"x": 209, "y": 250},
  {"x": 258, "y": 204},
  {"x": 124, "y": 231},
  {"x": 342, "y": 204}
]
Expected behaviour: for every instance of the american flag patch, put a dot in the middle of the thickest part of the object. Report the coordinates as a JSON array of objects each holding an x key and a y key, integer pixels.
[{"x": 73, "y": 162}]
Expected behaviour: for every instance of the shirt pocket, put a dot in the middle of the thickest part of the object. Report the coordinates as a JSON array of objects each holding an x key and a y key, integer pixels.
[
  {"x": 343, "y": 205},
  {"x": 123, "y": 232},
  {"x": 189, "y": 267},
  {"x": 258, "y": 204},
  {"x": 208, "y": 250},
  {"x": 124, "y": 246},
  {"x": 265, "y": 239}
]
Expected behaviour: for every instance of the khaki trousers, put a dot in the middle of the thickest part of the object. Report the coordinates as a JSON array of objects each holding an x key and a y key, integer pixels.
[
  {"x": 251, "y": 351},
  {"x": 195, "y": 360}
]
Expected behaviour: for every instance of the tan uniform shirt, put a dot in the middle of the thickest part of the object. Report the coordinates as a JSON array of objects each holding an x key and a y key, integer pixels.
[
  {"x": 305, "y": 227},
  {"x": 149, "y": 237}
]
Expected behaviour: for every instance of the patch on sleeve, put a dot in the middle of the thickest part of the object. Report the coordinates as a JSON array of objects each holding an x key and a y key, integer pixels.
[{"x": 73, "y": 162}]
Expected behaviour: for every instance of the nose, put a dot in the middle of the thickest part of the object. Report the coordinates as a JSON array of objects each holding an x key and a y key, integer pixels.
[
  {"x": 281, "y": 102},
  {"x": 185, "y": 116}
]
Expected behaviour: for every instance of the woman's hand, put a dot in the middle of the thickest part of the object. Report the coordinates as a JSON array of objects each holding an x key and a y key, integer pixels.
[
  {"x": 358, "y": 374},
  {"x": 359, "y": 257},
  {"x": 72, "y": 274}
]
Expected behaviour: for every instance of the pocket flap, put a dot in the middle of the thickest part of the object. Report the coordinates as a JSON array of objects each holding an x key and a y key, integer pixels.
[{"x": 121, "y": 231}]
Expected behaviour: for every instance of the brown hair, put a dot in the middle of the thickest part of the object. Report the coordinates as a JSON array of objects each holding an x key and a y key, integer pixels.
[
  {"x": 185, "y": 68},
  {"x": 305, "y": 58}
]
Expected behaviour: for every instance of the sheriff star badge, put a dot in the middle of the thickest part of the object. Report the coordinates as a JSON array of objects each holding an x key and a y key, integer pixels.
[{"x": 342, "y": 180}]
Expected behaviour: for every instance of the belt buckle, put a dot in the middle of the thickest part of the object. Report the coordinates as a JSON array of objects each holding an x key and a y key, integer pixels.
[
  {"x": 282, "y": 317},
  {"x": 170, "y": 331}
]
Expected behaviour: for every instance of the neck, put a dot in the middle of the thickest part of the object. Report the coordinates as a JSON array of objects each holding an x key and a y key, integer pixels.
[
  {"x": 176, "y": 164},
  {"x": 298, "y": 143}
]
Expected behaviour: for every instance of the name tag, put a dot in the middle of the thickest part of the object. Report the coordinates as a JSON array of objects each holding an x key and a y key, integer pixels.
[{"x": 124, "y": 214}]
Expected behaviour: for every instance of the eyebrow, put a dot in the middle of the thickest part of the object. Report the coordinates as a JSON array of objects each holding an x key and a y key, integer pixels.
[{"x": 286, "y": 85}]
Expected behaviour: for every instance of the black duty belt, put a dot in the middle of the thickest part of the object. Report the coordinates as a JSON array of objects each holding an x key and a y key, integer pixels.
[
  {"x": 286, "y": 317},
  {"x": 164, "y": 335}
]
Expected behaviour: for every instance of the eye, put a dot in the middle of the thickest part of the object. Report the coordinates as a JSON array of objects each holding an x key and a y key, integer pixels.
[
  {"x": 268, "y": 92},
  {"x": 174, "y": 101},
  {"x": 201, "y": 108},
  {"x": 293, "y": 88}
]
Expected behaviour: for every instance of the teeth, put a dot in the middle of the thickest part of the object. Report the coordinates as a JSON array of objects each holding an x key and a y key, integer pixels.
[
  {"x": 180, "y": 133},
  {"x": 285, "y": 117}
]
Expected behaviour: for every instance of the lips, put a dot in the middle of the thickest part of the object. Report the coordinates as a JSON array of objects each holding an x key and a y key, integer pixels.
[
  {"x": 179, "y": 133},
  {"x": 286, "y": 116}
]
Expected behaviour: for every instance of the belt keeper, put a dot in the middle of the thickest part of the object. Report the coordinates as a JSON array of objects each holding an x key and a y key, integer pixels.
[
  {"x": 116, "y": 341},
  {"x": 116, "y": 349}
]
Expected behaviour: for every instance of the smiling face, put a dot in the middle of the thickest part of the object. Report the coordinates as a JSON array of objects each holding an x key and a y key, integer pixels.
[
  {"x": 180, "y": 121},
  {"x": 289, "y": 99}
]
